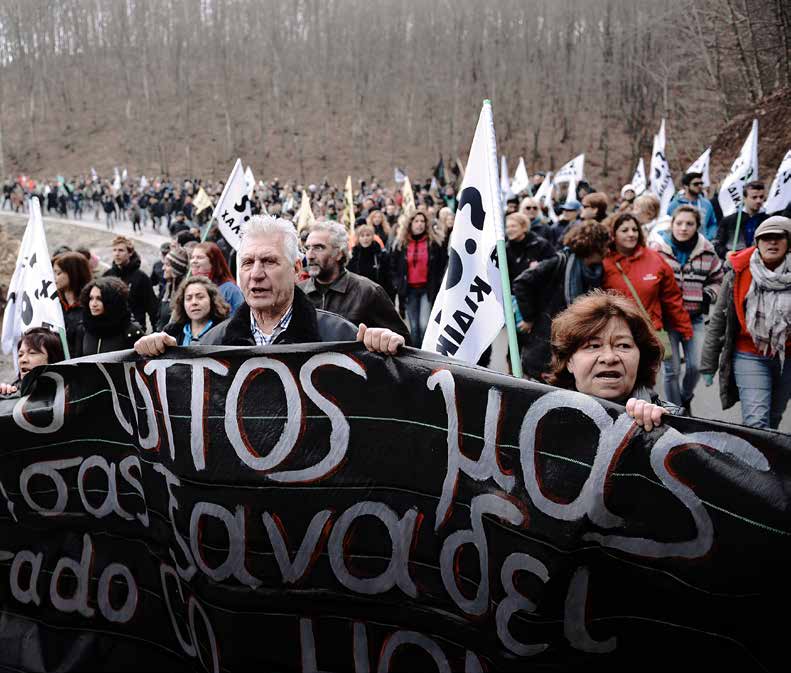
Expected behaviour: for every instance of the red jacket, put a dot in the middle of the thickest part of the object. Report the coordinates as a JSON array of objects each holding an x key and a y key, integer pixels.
[{"x": 656, "y": 286}]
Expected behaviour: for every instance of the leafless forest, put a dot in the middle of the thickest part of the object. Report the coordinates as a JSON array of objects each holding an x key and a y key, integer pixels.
[{"x": 314, "y": 88}]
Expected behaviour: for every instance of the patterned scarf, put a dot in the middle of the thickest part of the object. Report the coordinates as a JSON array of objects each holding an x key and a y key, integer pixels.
[{"x": 768, "y": 306}]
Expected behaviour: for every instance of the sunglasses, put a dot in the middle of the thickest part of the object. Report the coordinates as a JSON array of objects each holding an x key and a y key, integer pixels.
[
  {"x": 696, "y": 184},
  {"x": 531, "y": 207}
]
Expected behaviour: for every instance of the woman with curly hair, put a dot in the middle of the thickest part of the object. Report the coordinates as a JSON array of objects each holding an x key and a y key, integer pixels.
[
  {"x": 417, "y": 263},
  {"x": 603, "y": 346},
  {"x": 197, "y": 306},
  {"x": 207, "y": 260},
  {"x": 545, "y": 290}
]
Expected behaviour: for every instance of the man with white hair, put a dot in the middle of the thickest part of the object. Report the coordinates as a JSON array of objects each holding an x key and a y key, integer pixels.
[
  {"x": 332, "y": 287},
  {"x": 275, "y": 310}
]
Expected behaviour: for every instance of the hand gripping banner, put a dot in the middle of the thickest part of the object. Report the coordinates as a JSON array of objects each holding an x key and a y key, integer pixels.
[{"x": 323, "y": 508}]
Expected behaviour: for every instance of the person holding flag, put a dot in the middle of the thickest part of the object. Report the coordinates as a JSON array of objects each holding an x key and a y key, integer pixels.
[{"x": 736, "y": 231}]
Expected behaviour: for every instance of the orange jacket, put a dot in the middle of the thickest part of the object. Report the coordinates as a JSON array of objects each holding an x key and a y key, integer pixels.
[{"x": 655, "y": 284}]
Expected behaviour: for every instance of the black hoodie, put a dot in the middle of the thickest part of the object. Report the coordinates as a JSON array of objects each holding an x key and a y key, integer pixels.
[{"x": 141, "y": 295}]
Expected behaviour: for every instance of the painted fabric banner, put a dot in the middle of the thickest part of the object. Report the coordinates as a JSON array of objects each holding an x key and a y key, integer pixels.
[{"x": 322, "y": 508}]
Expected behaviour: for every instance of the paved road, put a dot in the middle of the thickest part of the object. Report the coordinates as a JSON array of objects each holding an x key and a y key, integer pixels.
[{"x": 124, "y": 227}]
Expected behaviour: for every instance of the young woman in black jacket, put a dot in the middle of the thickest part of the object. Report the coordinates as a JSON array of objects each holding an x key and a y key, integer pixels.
[{"x": 107, "y": 322}]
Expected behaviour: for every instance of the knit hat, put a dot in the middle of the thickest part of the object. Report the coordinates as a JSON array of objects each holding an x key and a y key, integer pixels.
[{"x": 178, "y": 260}]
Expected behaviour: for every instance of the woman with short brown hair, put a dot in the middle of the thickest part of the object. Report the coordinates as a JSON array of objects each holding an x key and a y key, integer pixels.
[{"x": 603, "y": 346}]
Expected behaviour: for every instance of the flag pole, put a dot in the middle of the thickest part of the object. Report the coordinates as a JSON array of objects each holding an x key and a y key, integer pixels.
[
  {"x": 508, "y": 309},
  {"x": 64, "y": 343}
]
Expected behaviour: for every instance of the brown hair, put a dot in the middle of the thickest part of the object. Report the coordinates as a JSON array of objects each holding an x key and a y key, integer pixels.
[
  {"x": 521, "y": 218},
  {"x": 587, "y": 238},
  {"x": 220, "y": 273},
  {"x": 219, "y": 308},
  {"x": 123, "y": 240},
  {"x": 587, "y": 316},
  {"x": 43, "y": 340},
  {"x": 686, "y": 209},
  {"x": 599, "y": 201},
  {"x": 76, "y": 267},
  {"x": 620, "y": 220},
  {"x": 647, "y": 203},
  {"x": 405, "y": 231}
]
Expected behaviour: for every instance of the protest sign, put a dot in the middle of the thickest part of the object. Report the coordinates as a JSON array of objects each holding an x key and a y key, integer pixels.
[
  {"x": 701, "y": 165},
  {"x": 743, "y": 170},
  {"x": 468, "y": 312},
  {"x": 573, "y": 170},
  {"x": 661, "y": 181},
  {"x": 779, "y": 195},
  {"x": 320, "y": 507},
  {"x": 521, "y": 181},
  {"x": 233, "y": 208}
]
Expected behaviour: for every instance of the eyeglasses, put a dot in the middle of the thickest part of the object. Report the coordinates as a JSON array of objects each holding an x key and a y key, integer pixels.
[{"x": 531, "y": 207}]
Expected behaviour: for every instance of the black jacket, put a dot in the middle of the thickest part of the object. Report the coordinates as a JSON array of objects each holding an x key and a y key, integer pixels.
[
  {"x": 72, "y": 317},
  {"x": 437, "y": 261},
  {"x": 142, "y": 301},
  {"x": 541, "y": 295},
  {"x": 308, "y": 325},
  {"x": 521, "y": 254},
  {"x": 373, "y": 263},
  {"x": 124, "y": 338},
  {"x": 358, "y": 299},
  {"x": 723, "y": 243}
]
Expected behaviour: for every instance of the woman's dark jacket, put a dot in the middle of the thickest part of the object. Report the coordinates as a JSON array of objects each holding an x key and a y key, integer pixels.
[
  {"x": 521, "y": 254},
  {"x": 437, "y": 261},
  {"x": 141, "y": 295},
  {"x": 114, "y": 330}
]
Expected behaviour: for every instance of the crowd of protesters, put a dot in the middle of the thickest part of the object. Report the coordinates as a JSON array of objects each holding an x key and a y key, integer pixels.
[{"x": 714, "y": 291}]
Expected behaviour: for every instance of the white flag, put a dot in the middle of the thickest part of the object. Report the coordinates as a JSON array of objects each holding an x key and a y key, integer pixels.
[
  {"x": 638, "y": 179},
  {"x": 780, "y": 192},
  {"x": 701, "y": 165},
  {"x": 399, "y": 176},
  {"x": 661, "y": 182},
  {"x": 468, "y": 313},
  {"x": 249, "y": 181},
  {"x": 94, "y": 176},
  {"x": 544, "y": 196},
  {"x": 117, "y": 181},
  {"x": 32, "y": 295},
  {"x": 305, "y": 216},
  {"x": 505, "y": 180},
  {"x": 574, "y": 169},
  {"x": 233, "y": 208},
  {"x": 743, "y": 170},
  {"x": 143, "y": 182},
  {"x": 521, "y": 180},
  {"x": 124, "y": 175}
]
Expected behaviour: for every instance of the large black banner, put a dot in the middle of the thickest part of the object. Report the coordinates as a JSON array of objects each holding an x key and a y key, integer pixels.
[{"x": 322, "y": 508}]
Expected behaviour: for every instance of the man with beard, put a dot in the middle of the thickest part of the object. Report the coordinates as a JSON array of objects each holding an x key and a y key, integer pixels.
[
  {"x": 126, "y": 266},
  {"x": 333, "y": 288}
]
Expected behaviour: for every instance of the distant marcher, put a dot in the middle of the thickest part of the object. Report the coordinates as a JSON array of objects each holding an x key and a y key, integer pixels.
[
  {"x": 569, "y": 216},
  {"x": 594, "y": 206},
  {"x": 523, "y": 248},
  {"x": 369, "y": 259},
  {"x": 157, "y": 278}
]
